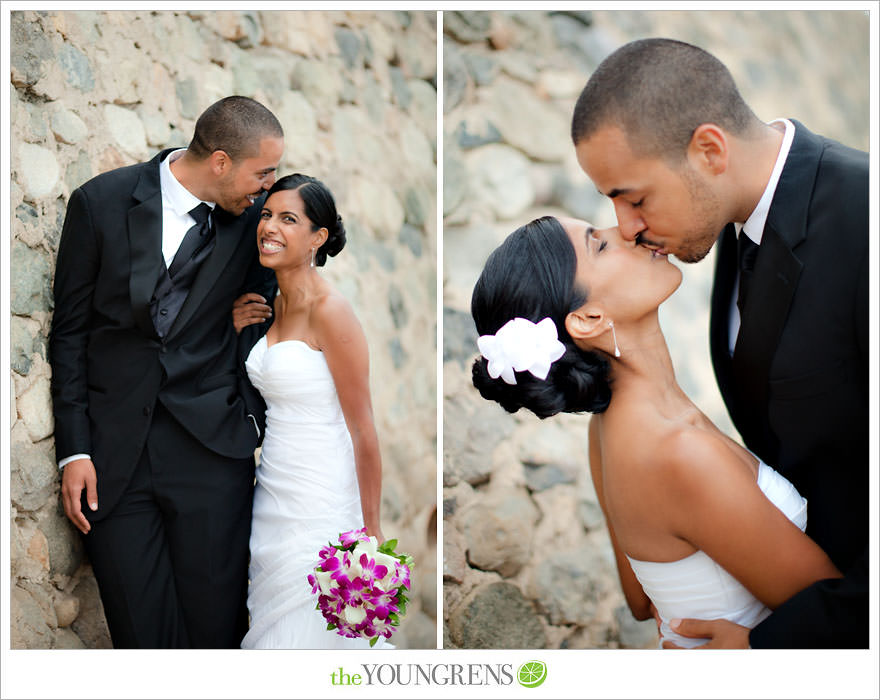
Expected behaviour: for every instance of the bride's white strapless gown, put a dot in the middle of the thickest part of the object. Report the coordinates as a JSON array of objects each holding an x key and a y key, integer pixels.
[
  {"x": 306, "y": 494},
  {"x": 697, "y": 587}
]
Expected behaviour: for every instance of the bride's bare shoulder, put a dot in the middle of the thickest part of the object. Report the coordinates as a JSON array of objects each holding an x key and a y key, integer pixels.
[
  {"x": 330, "y": 306},
  {"x": 693, "y": 460}
]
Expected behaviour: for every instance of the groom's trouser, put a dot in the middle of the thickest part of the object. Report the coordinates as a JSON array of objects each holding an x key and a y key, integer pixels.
[{"x": 171, "y": 558}]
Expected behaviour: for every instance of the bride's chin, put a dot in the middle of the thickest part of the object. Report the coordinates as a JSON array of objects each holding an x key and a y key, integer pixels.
[{"x": 673, "y": 287}]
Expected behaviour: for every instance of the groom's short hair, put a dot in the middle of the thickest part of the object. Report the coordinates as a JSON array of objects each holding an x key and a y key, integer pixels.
[
  {"x": 235, "y": 125},
  {"x": 658, "y": 91}
]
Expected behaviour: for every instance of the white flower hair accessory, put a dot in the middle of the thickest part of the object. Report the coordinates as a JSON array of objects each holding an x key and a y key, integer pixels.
[{"x": 521, "y": 346}]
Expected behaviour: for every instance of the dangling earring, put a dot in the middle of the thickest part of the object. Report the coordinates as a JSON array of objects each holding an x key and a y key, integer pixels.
[
  {"x": 614, "y": 334},
  {"x": 312, "y": 263}
]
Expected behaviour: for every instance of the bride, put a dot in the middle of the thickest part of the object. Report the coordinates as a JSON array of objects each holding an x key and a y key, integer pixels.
[
  {"x": 700, "y": 527},
  {"x": 320, "y": 471}
]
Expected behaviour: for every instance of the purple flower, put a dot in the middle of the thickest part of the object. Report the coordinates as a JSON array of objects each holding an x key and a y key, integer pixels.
[
  {"x": 327, "y": 551},
  {"x": 400, "y": 577},
  {"x": 383, "y": 603},
  {"x": 371, "y": 569},
  {"x": 382, "y": 628},
  {"x": 351, "y": 592},
  {"x": 336, "y": 565},
  {"x": 346, "y": 539},
  {"x": 331, "y": 564}
]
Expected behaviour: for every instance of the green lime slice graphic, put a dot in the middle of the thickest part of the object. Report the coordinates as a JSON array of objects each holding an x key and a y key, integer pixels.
[{"x": 531, "y": 674}]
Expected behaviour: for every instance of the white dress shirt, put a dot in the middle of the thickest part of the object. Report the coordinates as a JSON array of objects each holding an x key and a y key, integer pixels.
[
  {"x": 177, "y": 202},
  {"x": 754, "y": 225}
]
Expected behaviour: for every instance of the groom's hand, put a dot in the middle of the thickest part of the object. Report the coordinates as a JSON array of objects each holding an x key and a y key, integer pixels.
[
  {"x": 76, "y": 476},
  {"x": 248, "y": 309},
  {"x": 722, "y": 634}
]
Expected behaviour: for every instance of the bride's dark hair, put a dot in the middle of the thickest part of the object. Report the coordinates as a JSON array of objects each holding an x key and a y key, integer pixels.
[
  {"x": 532, "y": 275},
  {"x": 320, "y": 207}
]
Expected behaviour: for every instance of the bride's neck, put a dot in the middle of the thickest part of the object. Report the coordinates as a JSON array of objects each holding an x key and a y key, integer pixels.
[
  {"x": 644, "y": 367},
  {"x": 297, "y": 286}
]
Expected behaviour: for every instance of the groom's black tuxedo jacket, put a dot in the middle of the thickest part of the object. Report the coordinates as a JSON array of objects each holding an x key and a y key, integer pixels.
[
  {"x": 797, "y": 384},
  {"x": 109, "y": 367}
]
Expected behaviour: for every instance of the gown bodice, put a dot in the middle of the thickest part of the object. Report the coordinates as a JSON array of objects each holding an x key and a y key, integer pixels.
[{"x": 697, "y": 587}]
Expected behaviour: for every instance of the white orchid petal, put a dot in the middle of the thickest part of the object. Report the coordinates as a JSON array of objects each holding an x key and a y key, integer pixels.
[
  {"x": 354, "y": 616},
  {"x": 508, "y": 376},
  {"x": 520, "y": 346},
  {"x": 368, "y": 548},
  {"x": 540, "y": 369},
  {"x": 546, "y": 328},
  {"x": 323, "y": 579},
  {"x": 487, "y": 344},
  {"x": 522, "y": 358},
  {"x": 386, "y": 560}
]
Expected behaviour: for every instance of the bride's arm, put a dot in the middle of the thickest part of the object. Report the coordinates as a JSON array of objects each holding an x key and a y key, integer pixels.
[
  {"x": 639, "y": 603},
  {"x": 342, "y": 340},
  {"x": 724, "y": 513}
]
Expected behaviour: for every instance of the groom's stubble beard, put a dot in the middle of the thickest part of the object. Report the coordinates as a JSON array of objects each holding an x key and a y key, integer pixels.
[{"x": 704, "y": 229}]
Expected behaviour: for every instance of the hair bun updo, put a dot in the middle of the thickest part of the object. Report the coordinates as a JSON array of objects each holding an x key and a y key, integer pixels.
[
  {"x": 335, "y": 242},
  {"x": 531, "y": 275}
]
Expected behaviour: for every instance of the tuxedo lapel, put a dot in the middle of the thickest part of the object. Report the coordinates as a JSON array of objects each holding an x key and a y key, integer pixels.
[
  {"x": 145, "y": 243},
  {"x": 722, "y": 292},
  {"x": 775, "y": 279},
  {"x": 228, "y": 232},
  {"x": 777, "y": 269}
]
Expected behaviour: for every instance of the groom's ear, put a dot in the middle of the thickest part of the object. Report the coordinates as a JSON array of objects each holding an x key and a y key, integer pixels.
[
  {"x": 220, "y": 162},
  {"x": 708, "y": 150},
  {"x": 585, "y": 323}
]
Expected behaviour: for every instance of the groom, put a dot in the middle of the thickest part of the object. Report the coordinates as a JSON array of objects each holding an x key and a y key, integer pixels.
[
  {"x": 155, "y": 428},
  {"x": 662, "y": 130}
]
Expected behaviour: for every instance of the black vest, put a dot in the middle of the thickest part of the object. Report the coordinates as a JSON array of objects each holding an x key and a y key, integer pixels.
[{"x": 170, "y": 294}]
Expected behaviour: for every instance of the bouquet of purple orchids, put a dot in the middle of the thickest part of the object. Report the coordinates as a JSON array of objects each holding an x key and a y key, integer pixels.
[{"x": 361, "y": 585}]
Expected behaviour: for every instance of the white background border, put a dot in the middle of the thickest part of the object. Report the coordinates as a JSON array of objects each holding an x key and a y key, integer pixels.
[{"x": 571, "y": 673}]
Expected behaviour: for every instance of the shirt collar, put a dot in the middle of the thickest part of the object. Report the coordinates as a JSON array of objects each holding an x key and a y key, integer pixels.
[
  {"x": 175, "y": 195},
  {"x": 754, "y": 225}
]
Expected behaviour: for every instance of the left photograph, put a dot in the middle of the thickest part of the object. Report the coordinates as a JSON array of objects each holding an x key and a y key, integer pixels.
[{"x": 222, "y": 335}]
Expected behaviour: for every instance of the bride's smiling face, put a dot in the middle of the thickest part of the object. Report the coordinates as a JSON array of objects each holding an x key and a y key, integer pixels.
[
  {"x": 284, "y": 235},
  {"x": 627, "y": 279}
]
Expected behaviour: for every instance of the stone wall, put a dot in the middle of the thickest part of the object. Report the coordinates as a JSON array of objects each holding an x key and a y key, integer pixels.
[
  {"x": 527, "y": 562},
  {"x": 356, "y": 95}
]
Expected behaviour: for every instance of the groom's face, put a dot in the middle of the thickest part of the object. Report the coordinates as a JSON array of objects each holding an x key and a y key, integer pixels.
[
  {"x": 667, "y": 208},
  {"x": 247, "y": 178}
]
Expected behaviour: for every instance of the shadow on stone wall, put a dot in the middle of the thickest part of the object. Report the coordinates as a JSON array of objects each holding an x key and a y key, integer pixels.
[
  {"x": 527, "y": 561},
  {"x": 356, "y": 95}
]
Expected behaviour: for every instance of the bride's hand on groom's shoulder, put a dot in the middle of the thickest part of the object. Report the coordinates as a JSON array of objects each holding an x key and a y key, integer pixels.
[
  {"x": 722, "y": 634},
  {"x": 248, "y": 309}
]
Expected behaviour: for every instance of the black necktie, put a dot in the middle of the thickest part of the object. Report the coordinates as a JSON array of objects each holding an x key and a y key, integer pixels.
[
  {"x": 747, "y": 250},
  {"x": 194, "y": 240}
]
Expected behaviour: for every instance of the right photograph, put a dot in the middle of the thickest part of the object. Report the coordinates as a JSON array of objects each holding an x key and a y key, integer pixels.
[{"x": 655, "y": 329}]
